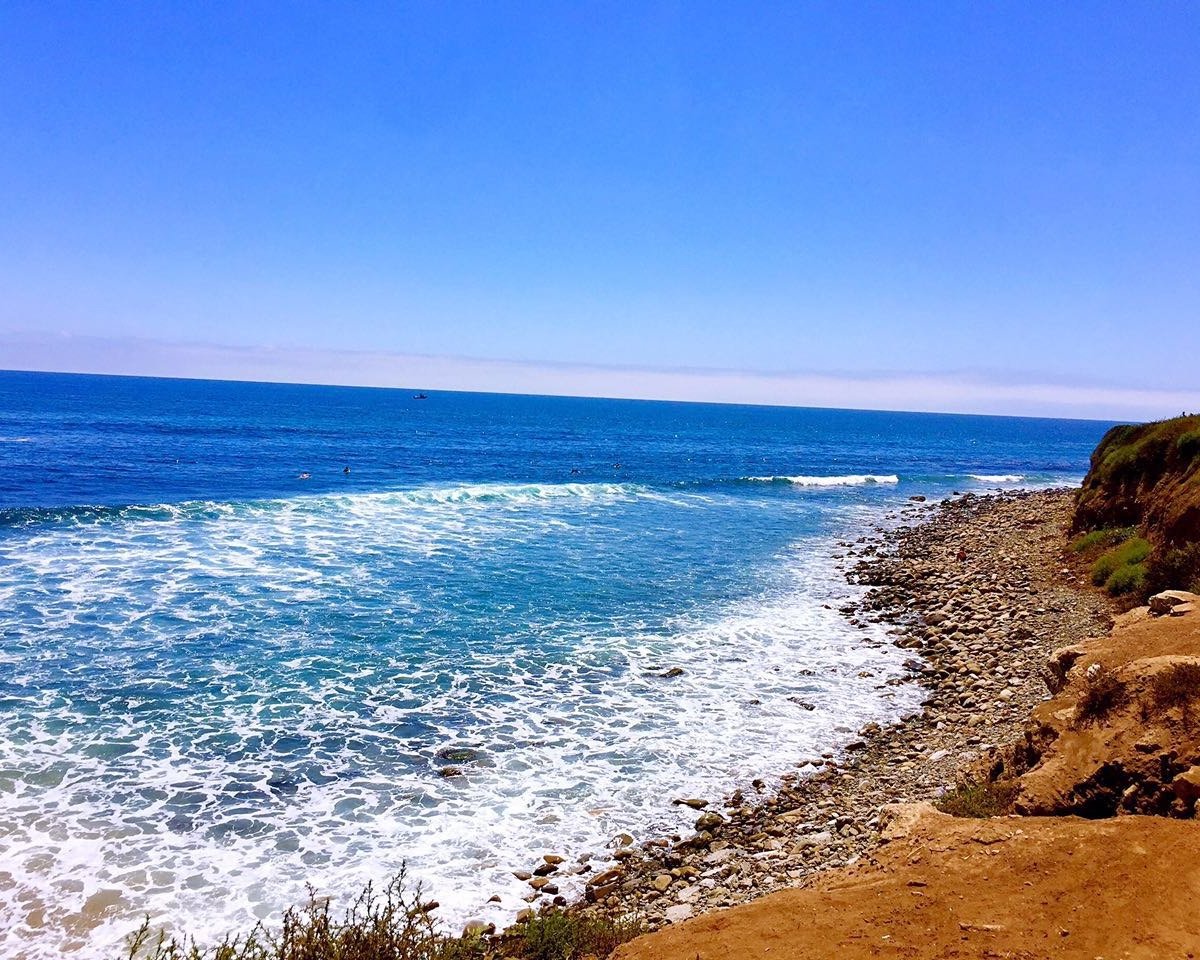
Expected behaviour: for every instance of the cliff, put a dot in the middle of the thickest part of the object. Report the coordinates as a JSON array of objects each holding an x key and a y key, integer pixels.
[{"x": 1146, "y": 476}]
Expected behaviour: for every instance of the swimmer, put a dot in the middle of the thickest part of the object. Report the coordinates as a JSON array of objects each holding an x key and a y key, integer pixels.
[{"x": 304, "y": 476}]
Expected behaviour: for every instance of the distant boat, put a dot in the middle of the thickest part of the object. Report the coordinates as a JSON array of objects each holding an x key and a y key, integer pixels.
[{"x": 420, "y": 396}]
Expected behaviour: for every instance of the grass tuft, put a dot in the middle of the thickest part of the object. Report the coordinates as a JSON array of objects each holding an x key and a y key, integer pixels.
[
  {"x": 979, "y": 800},
  {"x": 1095, "y": 539}
]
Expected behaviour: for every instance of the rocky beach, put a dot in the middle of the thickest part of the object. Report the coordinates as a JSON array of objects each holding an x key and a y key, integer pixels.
[{"x": 980, "y": 589}]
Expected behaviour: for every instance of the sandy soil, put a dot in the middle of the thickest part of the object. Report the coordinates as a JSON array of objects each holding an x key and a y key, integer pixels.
[{"x": 1013, "y": 887}]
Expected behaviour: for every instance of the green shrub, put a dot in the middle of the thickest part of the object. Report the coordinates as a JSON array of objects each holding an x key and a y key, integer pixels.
[
  {"x": 1175, "y": 569},
  {"x": 1188, "y": 445},
  {"x": 557, "y": 935},
  {"x": 1129, "y": 580},
  {"x": 979, "y": 800},
  {"x": 1131, "y": 552},
  {"x": 387, "y": 925},
  {"x": 392, "y": 925},
  {"x": 1109, "y": 537}
]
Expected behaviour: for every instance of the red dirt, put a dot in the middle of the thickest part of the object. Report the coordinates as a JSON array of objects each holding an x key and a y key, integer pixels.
[{"x": 1019, "y": 888}]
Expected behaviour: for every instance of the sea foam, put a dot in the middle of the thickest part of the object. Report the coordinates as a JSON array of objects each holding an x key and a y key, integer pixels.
[{"x": 209, "y": 705}]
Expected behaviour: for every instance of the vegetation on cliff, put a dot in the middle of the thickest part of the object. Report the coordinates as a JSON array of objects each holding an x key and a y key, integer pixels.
[{"x": 1143, "y": 480}]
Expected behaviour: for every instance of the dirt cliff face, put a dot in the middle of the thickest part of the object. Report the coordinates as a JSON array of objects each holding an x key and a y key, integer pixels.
[
  {"x": 1146, "y": 476},
  {"x": 1122, "y": 734}
]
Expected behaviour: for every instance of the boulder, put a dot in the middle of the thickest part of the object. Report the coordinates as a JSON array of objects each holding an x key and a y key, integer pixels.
[
  {"x": 1186, "y": 786},
  {"x": 1163, "y": 603}
]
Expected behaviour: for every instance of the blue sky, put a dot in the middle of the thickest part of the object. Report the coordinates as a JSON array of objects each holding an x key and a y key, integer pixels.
[{"x": 984, "y": 206}]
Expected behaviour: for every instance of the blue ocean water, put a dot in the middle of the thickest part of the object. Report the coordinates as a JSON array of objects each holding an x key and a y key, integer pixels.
[{"x": 229, "y": 667}]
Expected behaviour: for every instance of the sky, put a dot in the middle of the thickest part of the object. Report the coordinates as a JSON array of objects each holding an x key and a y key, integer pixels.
[{"x": 976, "y": 207}]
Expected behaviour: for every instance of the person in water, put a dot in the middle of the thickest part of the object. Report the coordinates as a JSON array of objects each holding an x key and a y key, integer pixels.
[{"x": 346, "y": 471}]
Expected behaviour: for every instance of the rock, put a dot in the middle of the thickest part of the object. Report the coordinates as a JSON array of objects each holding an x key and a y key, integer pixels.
[
  {"x": 681, "y": 911},
  {"x": 604, "y": 879},
  {"x": 621, "y": 840},
  {"x": 709, "y": 821},
  {"x": 673, "y": 672},
  {"x": 545, "y": 869},
  {"x": 429, "y": 906},
  {"x": 896, "y": 820},
  {"x": 522, "y": 875},
  {"x": 917, "y": 498},
  {"x": 524, "y": 916},
  {"x": 661, "y": 882},
  {"x": 458, "y": 754},
  {"x": 1186, "y": 786},
  {"x": 1162, "y": 603},
  {"x": 478, "y": 928},
  {"x": 540, "y": 883},
  {"x": 553, "y": 858},
  {"x": 1059, "y": 665},
  {"x": 448, "y": 772}
]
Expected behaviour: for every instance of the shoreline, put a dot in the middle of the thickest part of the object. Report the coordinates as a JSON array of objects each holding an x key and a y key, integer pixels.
[{"x": 981, "y": 630}]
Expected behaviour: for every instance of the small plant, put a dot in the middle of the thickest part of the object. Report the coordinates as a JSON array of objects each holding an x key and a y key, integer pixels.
[
  {"x": 1131, "y": 553},
  {"x": 1177, "y": 686},
  {"x": 1103, "y": 693},
  {"x": 558, "y": 935},
  {"x": 1095, "y": 539},
  {"x": 1127, "y": 580},
  {"x": 1188, "y": 445},
  {"x": 379, "y": 925},
  {"x": 979, "y": 800}
]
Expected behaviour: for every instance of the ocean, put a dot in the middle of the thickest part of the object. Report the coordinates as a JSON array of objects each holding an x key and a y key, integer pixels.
[{"x": 246, "y": 628}]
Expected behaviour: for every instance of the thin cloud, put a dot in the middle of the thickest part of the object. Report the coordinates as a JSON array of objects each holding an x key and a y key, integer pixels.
[{"x": 943, "y": 393}]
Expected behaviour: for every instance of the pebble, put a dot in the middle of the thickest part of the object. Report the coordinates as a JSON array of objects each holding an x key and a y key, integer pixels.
[{"x": 980, "y": 631}]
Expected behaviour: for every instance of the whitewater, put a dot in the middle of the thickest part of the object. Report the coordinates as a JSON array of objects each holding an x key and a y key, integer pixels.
[{"x": 255, "y": 637}]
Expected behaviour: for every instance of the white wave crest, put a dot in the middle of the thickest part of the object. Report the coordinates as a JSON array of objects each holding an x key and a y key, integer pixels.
[
  {"x": 997, "y": 477},
  {"x": 847, "y": 480}
]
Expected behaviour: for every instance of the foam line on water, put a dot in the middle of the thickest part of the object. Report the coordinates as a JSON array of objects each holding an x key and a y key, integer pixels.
[
  {"x": 208, "y": 706},
  {"x": 847, "y": 480}
]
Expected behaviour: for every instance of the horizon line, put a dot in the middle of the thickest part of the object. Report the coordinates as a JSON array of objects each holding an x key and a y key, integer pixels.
[
  {"x": 555, "y": 396},
  {"x": 955, "y": 393}
]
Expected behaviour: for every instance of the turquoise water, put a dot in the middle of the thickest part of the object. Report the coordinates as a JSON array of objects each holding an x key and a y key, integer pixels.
[{"x": 228, "y": 666}]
